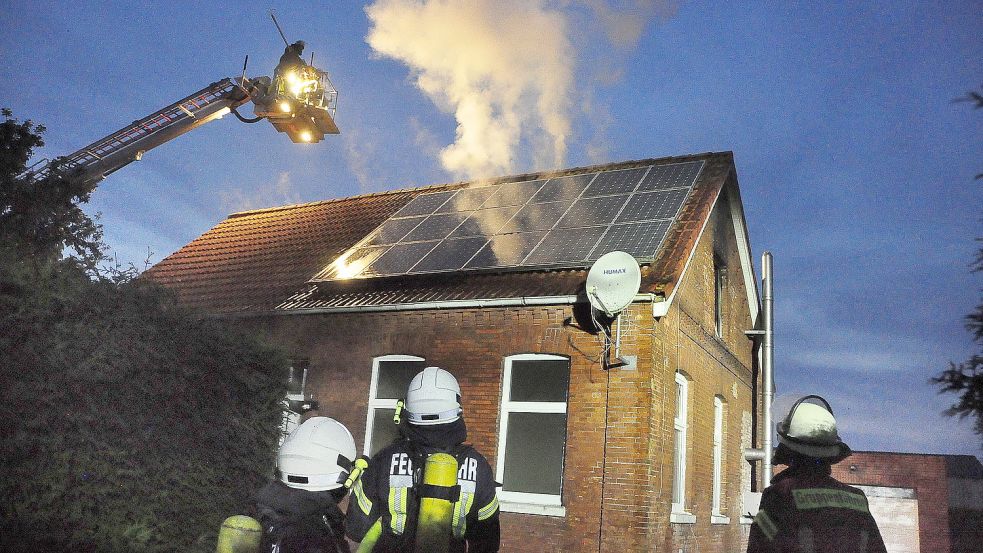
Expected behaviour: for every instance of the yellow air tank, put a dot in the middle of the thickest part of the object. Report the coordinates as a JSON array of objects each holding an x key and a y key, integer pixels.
[
  {"x": 239, "y": 534},
  {"x": 437, "y": 497}
]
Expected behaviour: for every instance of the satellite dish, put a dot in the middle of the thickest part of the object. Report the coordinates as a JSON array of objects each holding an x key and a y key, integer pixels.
[{"x": 612, "y": 282}]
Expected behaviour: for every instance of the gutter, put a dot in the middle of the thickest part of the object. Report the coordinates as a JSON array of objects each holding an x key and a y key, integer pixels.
[{"x": 525, "y": 301}]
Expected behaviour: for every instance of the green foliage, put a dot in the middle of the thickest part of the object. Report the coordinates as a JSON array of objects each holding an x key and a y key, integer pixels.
[
  {"x": 966, "y": 379},
  {"x": 127, "y": 424},
  {"x": 40, "y": 218}
]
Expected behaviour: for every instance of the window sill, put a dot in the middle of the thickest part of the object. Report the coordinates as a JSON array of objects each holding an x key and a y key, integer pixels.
[
  {"x": 532, "y": 508},
  {"x": 682, "y": 518},
  {"x": 719, "y": 519},
  {"x": 745, "y": 519}
]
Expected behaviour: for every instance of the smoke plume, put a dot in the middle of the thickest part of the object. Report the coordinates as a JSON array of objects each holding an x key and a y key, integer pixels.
[{"x": 503, "y": 68}]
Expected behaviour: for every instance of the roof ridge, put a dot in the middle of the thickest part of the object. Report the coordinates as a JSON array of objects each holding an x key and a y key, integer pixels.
[{"x": 531, "y": 175}]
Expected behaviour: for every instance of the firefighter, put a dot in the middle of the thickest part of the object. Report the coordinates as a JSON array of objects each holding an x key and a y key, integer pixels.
[
  {"x": 390, "y": 490},
  {"x": 805, "y": 510},
  {"x": 291, "y": 59},
  {"x": 299, "y": 510}
]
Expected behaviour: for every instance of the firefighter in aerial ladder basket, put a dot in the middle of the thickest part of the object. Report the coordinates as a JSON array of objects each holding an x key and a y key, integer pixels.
[
  {"x": 805, "y": 510},
  {"x": 427, "y": 491},
  {"x": 291, "y": 59}
]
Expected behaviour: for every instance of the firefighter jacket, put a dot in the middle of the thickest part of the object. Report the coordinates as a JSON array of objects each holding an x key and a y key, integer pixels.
[
  {"x": 388, "y": 489},
  {"x": 805, "y": 510},
  {"x": 300, "y": 521}
]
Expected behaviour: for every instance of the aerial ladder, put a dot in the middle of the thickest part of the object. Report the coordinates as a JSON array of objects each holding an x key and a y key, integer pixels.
[{"x": 300, "y": 101}]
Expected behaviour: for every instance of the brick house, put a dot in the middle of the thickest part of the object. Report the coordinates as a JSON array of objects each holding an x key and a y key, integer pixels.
[
  {"x": 641, "y": 457},
  {"x": 922, "y": 502}
]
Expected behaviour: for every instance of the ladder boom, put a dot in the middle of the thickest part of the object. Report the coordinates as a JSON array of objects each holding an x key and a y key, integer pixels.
[{"x": 128, "y": 144}]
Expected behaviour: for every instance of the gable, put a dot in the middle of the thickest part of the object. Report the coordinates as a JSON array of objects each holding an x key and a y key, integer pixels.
[{"x": 728, "y": 202}]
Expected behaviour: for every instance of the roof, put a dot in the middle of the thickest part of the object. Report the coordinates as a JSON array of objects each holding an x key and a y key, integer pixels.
[
  {"x": 263, "y": 260},
  {"x": 964, "y": 466}
]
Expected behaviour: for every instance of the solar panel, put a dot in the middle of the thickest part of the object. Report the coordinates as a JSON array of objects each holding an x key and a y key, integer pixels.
[
  {"x": 562, "y": 188},
  {"x": 424, "y": 204},
  {"x": 513, "y": 193},
  {"x": 564, "y": 221},
  {"x": 651, "y": 206},
  {"x": 399, "y": 258},
  {"x": 351, "y": 264},
  {"x": 593, "y": 211},
  {"x": 450, "y": 255},
  {"x": 466, "y": 199},
  {"x": 615, "y": 182},
  {"x": 536, "y": 217},
  {"x": 673, "y": 175},
  {"x": 641, "y": 240},
  {"x": 393, "y": 230},
  {"x": 485, "y": 222},
  {"x": 506, "y": 250},
  {"x": 565, "y": 246},
  {"x": 436, "y": 227}
]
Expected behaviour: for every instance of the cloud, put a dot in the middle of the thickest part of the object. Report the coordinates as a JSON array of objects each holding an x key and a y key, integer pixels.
[
  {"x": 503, "y": 68},
  {"x": 278, "y": 192},
  {"x": 624, "y": 26},
  {"x": 359, "y": 153},
  {"x": 424, "y": 138},
  {"x": 813, "y": 338}
]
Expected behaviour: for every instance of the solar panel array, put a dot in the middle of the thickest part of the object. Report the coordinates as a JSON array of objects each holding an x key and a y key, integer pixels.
[{"x": 563, "y": 222}]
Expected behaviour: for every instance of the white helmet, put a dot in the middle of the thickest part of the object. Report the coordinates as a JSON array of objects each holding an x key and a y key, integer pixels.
[
  {"x": 433, "y": 397},
  {"x": 317, "y": 455},
  {"x": 810, "y": 429}
]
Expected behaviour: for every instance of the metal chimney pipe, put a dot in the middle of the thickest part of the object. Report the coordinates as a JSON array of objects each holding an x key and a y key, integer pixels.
[{"x": 767, "y": 305}]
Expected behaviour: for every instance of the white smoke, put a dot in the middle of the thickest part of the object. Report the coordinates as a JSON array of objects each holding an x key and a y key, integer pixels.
[
  {"x": 625, "y": 24},
  {"x": 504, "y": 68},
  {"x": 278, "y": 192}
]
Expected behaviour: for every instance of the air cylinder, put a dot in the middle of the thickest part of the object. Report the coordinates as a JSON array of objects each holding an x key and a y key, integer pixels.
[
  {"x": 239, "y": 534},
  {"x": 437, "y": 497}
]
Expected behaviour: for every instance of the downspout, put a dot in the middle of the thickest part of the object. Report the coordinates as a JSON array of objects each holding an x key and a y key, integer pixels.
[{"x": 766, "y": 334}]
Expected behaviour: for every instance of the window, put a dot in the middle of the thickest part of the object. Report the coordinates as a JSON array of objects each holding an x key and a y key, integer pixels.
[
  {"x": 391, "y": 374},
  {"x": 296, "y": 388},
  {"x": 679, "y": 445},
  {"x": 719, "y": 277},
  {"x": 533, "y": 432},
  {"x": 718, "y": 453}
]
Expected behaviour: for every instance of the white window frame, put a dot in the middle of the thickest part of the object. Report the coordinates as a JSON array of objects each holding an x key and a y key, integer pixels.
[
  {"x": 718, "y": 299},
  {"x": 679, "y": 457},
  {"x": 291, "y": 419},
  {"x": 374, "y": 403},
  {"x": 521, "y": 502},
  {"x": 718, "y": 456}
]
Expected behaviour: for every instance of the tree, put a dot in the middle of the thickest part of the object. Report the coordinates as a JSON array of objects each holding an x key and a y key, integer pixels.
[
  {"x": 127, "y": 423},
  {"x": 39, "y": 218},
  {"x": 966, "y": 378}
]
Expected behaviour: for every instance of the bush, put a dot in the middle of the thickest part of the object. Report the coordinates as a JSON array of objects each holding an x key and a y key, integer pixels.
[{"x": 126, "y": 423}]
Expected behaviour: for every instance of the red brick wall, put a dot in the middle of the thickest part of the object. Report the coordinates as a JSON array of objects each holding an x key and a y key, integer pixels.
[
  {"x": 716, "y": 366},
  {"x": 926, "y": 474}
]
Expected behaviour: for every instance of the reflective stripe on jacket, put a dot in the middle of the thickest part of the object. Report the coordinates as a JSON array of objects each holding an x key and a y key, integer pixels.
[{"x": 386, "y": 491}]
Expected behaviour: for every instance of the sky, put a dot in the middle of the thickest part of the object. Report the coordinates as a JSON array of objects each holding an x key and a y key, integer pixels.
[{"x": 856, "y": 165}]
